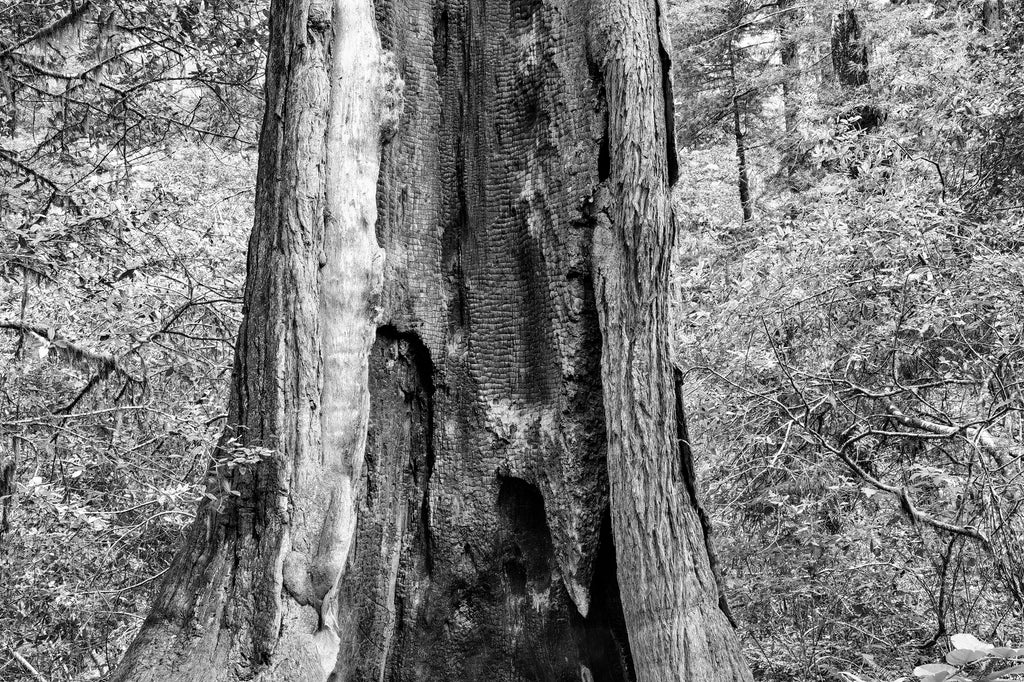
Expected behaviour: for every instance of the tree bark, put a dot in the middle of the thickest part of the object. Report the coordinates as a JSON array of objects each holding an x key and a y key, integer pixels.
[
  {"x": 742, "y": 172},
  {"x": 789, "y": 55},
  {"x": 460, "y": 452},
  {"x": 8, "y": 467},
  {"x": 991, "y": 16},
  {"x": 10, "y": 95},
  {"x": 849, "y": 49}
]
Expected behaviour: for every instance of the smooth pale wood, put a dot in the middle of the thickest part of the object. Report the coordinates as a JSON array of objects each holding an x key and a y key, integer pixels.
[{"x": 350, "y": 282}]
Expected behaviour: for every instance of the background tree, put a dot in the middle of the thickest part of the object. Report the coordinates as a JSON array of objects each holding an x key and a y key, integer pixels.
[
  {"x": 722, "y": 71},
  {"x": 848, "y": 356},
  {"x": 849, "y": 49}
]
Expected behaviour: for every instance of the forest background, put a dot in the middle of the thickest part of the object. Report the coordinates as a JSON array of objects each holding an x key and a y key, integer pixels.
[{"x": 848, "y": 317}]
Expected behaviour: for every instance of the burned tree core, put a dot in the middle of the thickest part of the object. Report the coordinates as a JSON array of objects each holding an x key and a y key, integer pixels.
[{"x": 483, "y": 200}]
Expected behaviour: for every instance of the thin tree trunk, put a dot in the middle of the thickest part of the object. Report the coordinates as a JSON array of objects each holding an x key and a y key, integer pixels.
[
  {"x": 743, "y": 177},
  {"x": 991, "y": 16},
  {"x": 8, "y": 469},
  {"x": 12, "y": 103},
  {"x": 820, "y": 67},
  {"x": 523, "y": 510},
  {"x": 789, "y": 54},
  {"x": 849, "y": 49},
  {"x": 676, "y": 628}
]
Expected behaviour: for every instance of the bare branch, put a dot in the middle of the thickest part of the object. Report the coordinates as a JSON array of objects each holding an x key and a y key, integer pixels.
[
  {"x": 977, "y": 434},
  {"x": 10, "y": 158},
  {"x": 102, "y": 364},
  {"x": 51, "y": 30}
]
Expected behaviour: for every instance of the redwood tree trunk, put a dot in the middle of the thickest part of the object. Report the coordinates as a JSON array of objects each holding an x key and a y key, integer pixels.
[{"x": 469, "y": 465}]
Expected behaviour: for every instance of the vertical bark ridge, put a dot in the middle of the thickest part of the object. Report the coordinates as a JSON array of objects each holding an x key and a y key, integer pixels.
[
  {"x": 351, "y": 272},
  {"x": 676, "y": 629},
  {"x": 249, "y": 596}
]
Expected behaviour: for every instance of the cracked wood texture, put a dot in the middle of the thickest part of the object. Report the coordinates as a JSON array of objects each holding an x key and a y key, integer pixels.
[{"x": 454, "y": 367}]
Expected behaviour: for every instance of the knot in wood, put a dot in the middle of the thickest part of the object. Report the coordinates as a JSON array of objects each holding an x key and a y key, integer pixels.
[{"x": 318, "y": 20}]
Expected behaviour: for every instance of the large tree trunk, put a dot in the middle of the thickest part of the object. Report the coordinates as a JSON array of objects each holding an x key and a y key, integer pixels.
[
  {"x": 849, "y": 49},
  {"x": 469, "y": 457}
]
